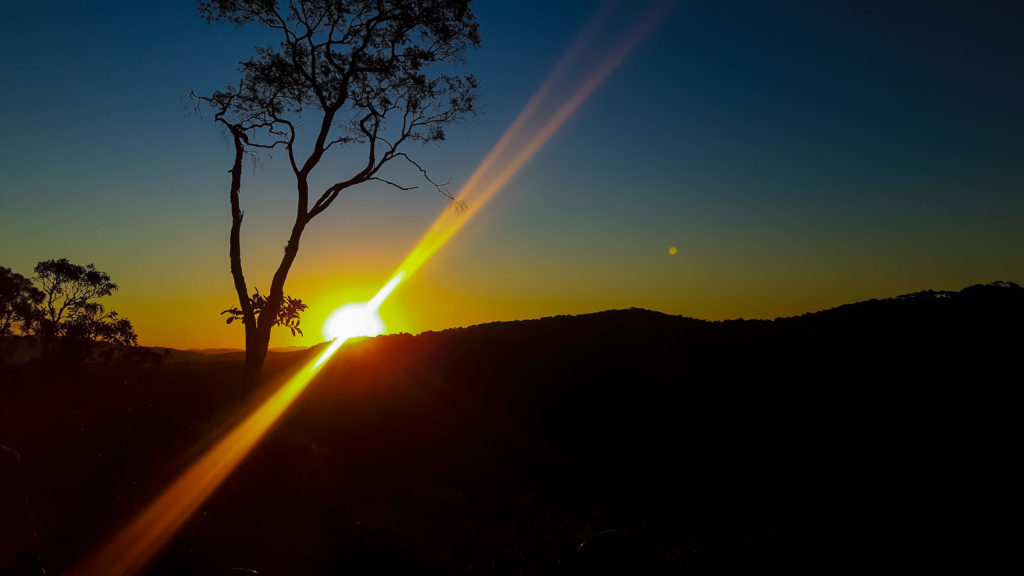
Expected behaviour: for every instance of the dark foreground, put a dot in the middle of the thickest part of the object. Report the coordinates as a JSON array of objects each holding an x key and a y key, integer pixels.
[{"x": 878, "y": 435}]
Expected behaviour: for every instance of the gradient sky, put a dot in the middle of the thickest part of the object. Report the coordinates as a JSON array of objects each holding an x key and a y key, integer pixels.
[{"x": 800, "y": 155}]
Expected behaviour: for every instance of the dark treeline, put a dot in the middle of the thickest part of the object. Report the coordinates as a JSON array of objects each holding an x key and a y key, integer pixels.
[
  {"x": 871, "y": 436},
  {"x": 56, "y": 319}
]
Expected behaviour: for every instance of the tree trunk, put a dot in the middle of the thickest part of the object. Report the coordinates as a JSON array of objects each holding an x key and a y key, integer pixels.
[
  {"x": 256, "y": 346},
  {"x": 257, "y": 332},
  {"x": 257, "y": 341},
  {"x": 253, "y": 353}
]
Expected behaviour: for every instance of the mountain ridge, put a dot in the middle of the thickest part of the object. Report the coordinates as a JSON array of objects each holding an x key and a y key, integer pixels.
[
  {"x": 1003, "y": 291},
  {"x": 874, "y": 434}
]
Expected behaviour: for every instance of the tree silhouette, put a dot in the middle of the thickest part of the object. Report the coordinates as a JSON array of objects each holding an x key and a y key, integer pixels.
[
  {"x": 68, "y": 308},
  {"x": 19, "y": 300},
  {"x": 368, "y": 75}
]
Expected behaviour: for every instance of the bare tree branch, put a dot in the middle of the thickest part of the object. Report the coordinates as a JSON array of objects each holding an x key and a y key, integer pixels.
[{"x": 399, "y": 186}]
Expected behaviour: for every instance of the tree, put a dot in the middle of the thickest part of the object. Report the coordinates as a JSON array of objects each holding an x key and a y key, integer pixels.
[
  {"x": 19, "y": 300},
  {"x": 369, "y": 75},
  {"x": 68, "y": 308}
]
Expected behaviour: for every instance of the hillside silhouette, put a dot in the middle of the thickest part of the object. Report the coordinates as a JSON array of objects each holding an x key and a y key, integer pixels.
[{"x": 875, "y": 434}]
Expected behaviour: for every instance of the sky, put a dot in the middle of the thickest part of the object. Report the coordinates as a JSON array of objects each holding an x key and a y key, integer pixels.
[{"x": 797, "y": 156}]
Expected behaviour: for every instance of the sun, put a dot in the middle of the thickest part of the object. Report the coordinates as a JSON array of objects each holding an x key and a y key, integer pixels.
[{"x": 353, "y": 321}]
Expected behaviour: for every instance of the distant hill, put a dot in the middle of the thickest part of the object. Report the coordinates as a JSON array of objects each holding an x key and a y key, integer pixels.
[
  {"x": 220, "y": 354},
  {"x": 222, "y": 351},
  {"x": 875, "y": 435},
  {"x": 214, "y": 351},
  {"x": 22, "y": 349},
  {"x": 925, "y": 306}
]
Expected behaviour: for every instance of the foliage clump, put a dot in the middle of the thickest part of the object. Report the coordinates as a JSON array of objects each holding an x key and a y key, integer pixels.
[
  {"x": 287, "y": 314},
  {"x": 59, "y": 308}
]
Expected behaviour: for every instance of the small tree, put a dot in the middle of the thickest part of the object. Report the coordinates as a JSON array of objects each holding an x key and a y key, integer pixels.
[
  {"x": 69, "y": 310},
  {"x": 19, "y": 301},
  {"x": 366, "y": 74}
]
